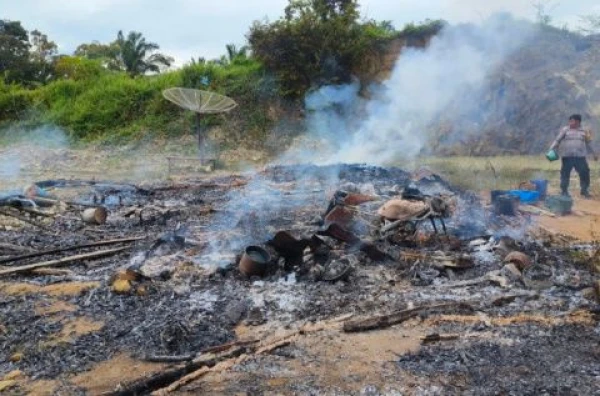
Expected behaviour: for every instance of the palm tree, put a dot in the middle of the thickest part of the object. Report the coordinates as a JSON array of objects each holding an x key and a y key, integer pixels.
[
  {"x": 136, "y": 55},
  {"x": 234, "y": 54}
]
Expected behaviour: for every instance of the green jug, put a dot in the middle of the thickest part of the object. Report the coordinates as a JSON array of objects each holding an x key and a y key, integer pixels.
[{"x": 552, "y": 155}]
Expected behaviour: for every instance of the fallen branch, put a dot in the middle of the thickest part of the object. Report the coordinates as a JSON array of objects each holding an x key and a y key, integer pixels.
[
  {"x": 69, "y": 248},
  {"x": 162, "y": 383},
  {"x": 187, "y": 358},
  {"x": 224, "y": 347},
  {"x": 15, "y": 248},
  {"x": 38, "y": 213},
  {"x": 224, "y": 365},
  {"x": 492, "y": 276},
  {"x": 25, "y": 220},
  {"x": 169, "y": 359},
  {"x": 62, "y": 261},
  {"x": 383, "y": 321},
  {"x": 439, "y": 337},
  {"x": 170, "y": 376},
  {"x": 50, "y": 201},
  {"x": 52, "y": 272}
]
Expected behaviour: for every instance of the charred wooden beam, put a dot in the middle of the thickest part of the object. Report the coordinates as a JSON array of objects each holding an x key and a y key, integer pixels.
[
  {"x": 70, "y": 248},
  {"x": 388, "y": 320},
  {"x": 62, "y": 261}
]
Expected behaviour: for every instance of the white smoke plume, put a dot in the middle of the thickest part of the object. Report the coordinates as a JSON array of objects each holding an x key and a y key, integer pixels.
[
  {"x": 21, "y": 150},
  {"x": 394, "y": 122}
]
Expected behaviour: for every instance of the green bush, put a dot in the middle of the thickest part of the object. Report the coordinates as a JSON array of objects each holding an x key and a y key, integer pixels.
[
  {"x": 104, "y": 105},
  {"x": 15, "y": 101},
  {"x": 318, "y": 42},
  {"x": 78, "y": 68}
]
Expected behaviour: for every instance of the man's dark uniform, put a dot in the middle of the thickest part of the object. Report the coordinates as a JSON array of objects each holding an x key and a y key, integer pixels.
[{"x": 574, "y": 146}]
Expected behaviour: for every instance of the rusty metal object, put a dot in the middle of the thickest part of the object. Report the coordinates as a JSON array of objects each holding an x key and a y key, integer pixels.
[
  {"x": 96, "y": 216},
  {"x": 373, "y": 252},
  {"x": 254, "y": 261},
  {"x": 318, "y": 247},
  {"x": 336, "y": 271},
  {"x": 339, "y": 215},
  {"x": 519, "y": 259},
  {"x": 287, "y": 246},
  {"x": 338, "y": 232}
]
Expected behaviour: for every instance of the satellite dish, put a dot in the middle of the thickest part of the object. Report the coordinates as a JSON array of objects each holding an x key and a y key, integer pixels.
[{"x": 200, "y": 102}]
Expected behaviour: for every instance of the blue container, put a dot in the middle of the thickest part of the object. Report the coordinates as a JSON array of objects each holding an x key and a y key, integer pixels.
[
  {"x": 541, "y": 186},
  {"x": 526, "y": 196}
]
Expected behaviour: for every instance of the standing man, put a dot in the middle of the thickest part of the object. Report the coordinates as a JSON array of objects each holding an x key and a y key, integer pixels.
[{"x": 576, "y": 144}]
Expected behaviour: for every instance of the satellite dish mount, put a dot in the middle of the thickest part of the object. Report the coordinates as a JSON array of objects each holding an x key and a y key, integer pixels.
[{"x": 200, "y": 102}]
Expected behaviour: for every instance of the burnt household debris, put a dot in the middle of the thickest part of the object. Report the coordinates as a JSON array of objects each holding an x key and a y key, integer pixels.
[{"x": 168, "y": 274}]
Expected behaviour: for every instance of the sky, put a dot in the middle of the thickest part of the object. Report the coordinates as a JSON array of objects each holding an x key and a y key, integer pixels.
[{"x": 201, "y": 28}]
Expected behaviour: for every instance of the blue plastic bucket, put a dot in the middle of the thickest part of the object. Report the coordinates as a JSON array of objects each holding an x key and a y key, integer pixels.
[
  {"x": 541, "y": 186},
  {"x": 526, "y": 196}
]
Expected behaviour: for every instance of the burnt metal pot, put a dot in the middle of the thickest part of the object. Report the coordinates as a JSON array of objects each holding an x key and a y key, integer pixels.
[
  {"x": 506, "y": 205},
  {"x": 95, "y": 216},
  {"x": 254, "y": 261}
]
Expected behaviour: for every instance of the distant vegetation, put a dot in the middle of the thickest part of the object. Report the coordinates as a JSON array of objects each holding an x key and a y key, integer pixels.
[{"x": 112, "y": 91}]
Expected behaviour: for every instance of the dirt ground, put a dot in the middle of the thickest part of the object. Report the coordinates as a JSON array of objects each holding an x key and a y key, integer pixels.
[
  {"x": 326, "y": 360},
  {"x": 583, "y": 223}
]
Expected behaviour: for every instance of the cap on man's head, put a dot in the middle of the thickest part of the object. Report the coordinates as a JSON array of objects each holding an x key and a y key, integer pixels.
[{"x": 576, "y": 117}]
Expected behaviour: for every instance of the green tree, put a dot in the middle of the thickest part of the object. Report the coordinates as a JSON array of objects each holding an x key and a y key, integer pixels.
[
  {"x": 77, "y": 67},
  {"x": 316, "y": 42},
  {"x": 235, "y": 54},
  {"x": 107, "y": 54},
  {"x": 14, "y": 51},
  {"x": 137, "y": 56},
  {"x": 42, "y": 55}
]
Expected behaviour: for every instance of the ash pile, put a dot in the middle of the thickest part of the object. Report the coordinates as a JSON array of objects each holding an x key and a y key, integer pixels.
[{"x": 169, "y": 271}]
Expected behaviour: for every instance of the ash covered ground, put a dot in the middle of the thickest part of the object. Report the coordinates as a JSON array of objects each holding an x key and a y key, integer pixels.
[{"x": 530, "y": 331}]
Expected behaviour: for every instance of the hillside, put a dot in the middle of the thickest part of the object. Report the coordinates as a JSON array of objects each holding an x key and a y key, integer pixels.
[
  {"x": 530, "y": 96},
  {"x": 517, "y": 109}
]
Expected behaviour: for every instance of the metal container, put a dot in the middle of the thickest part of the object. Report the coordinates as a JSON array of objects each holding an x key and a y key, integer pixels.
[
  {"x": 95, "y": 216},
  {"x": 254, "y": 261},
  {"x": 506, "y": 205},
  {"x": 558, "y": 204},
  {"x": 494, "y": 194}
]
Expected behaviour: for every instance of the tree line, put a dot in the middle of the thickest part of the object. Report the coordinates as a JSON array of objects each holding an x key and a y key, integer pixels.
[{"x": 314, "y": 42}]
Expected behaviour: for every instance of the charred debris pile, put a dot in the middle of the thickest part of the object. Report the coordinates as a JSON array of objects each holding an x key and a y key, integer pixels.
[{"x": 174, "y": 268}]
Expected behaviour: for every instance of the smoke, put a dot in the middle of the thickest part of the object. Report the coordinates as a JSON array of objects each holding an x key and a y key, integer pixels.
[
  {"x": 378, "y": 124},
  {"x": 396, "y": 121},
  {"x": 22, "y": 152},
  {"x": 269, "y": 203}
]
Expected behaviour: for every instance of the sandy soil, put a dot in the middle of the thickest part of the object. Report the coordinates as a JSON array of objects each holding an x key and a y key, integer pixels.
[{"x": 583, "y": 223}]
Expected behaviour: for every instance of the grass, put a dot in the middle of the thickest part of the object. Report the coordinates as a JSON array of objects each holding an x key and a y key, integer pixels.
[
  {"x": 112, "y": 108},
  {"x": 144, "y": 158},
  {"x": 503, "y": 172}
]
